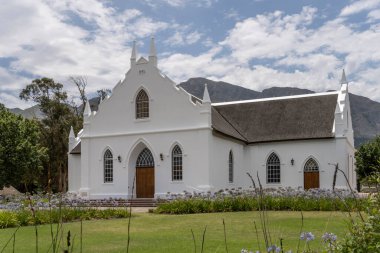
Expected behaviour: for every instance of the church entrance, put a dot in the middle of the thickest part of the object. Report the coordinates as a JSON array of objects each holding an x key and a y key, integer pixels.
[
  {"x": 145, "y": 174},
  {"x": 311, "y": 174}
]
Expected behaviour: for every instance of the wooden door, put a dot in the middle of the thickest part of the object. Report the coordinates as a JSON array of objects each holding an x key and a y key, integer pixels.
[
  {"x": 145, "y": 182},
  {"x": 311, "y": 179}
]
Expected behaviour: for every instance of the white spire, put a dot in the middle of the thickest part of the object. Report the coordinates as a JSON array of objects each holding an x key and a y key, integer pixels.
[
  {"x": 71, "y": 135},
  {"x": 152, "y": 52},
  {"x": 134, "y": 53},
  {"x": 206, "y": 96},
  {"x": 87, "y": 109},
  {"x": 343, "y": 80}
]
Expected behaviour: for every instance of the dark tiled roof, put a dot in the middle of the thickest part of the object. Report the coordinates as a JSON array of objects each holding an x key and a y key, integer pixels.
[
  {"x": 309, "y": 117},
  {"x": 76, "y": 150}
]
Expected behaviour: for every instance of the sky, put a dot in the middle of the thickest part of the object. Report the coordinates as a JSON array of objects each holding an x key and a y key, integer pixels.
[{"x": 256, "y": 44}]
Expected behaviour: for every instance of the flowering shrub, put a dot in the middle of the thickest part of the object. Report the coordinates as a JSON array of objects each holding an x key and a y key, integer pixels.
[
  {"x": 46, "y": 201},
  {"x": 364, "y": 235},
  {"x": 247, "y": 200},
  {"x": 25, "y": 217},
  {"x": 24, "y": 210}
]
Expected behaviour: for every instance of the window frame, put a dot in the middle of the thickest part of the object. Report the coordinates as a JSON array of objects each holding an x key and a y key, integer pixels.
[
  {"x": 230, "y": 167},
  {"x": 145, "y": 159},
  {"x": 177, "y": 164},
  {"x": 108, "y": 167},
  {"x": 273, "y": 169},
  {"x": 142, "y": 106},
  {"x": 307, "y": 168}
]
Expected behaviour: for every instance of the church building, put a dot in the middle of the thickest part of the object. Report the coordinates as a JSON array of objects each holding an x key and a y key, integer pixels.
[{"x": 152, "y": 136}]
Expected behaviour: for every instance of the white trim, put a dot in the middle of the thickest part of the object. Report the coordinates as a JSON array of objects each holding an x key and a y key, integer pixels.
[
  {"x": 141, "y": 120},
  {"x": 147, "y": 145},
  {"x": 276, "y": 98},
  {"x": 147, "y": 132}
]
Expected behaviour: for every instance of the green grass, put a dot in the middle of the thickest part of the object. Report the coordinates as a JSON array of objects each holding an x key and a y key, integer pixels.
[{"x": 171, "y": 233}]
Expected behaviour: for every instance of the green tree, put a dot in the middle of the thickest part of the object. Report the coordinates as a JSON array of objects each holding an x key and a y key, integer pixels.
[
  {"x": 368, "y": 158},
  {"x": 21, "y": 155},
  {"x": 55, "y": 126}
]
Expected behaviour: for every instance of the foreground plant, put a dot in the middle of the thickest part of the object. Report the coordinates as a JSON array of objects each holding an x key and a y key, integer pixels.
[{"x": 364, "y": 236}]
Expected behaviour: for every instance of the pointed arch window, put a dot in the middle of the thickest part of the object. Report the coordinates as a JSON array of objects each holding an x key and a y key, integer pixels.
[
  {"x": 273, "y": 169},
  {"x": 108, "y": 166},
  {"x": 230, "y": 167},
  {"x": 142, "y": 105},
  {"x": 145, "y": 159},
  {"x": 177, "y": 169},
  {"x": 311, "y": 166}
]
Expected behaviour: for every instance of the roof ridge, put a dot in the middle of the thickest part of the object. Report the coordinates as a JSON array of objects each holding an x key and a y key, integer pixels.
[
  {"x": 231, "y": 125},
  {"x": 276, "y": 98}
]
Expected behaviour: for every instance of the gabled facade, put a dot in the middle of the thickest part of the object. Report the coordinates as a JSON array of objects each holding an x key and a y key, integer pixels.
[{"x": 152, "y": 137}]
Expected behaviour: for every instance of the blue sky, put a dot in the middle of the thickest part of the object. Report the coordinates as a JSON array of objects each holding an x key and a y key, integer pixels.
[{"x": 253, "y": 43}]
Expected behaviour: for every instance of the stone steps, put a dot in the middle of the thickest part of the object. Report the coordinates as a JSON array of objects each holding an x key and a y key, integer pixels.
[
  {"x": 136, "y": 202},
  {"x": 142, "y": 202}
]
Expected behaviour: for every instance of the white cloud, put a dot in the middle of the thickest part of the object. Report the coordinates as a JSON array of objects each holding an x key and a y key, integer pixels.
[
  {"x": 271, "y": 49},
  {"x": 181, "y": 3},
  {"x": 374, "y": 15},
  {"x": 298, "y": 54},
  {"x": 359, "y": 6},
  {"x": 232, "y": 14},
  {"x": 268, "y": 36},
  {"x": 43, "y": 41},
  {"x": 182, "y": 38}
]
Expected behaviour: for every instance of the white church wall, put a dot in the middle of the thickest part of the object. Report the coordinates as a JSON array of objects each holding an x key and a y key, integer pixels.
[
  {"x": 170, "y": 107},
  {"x": 323, "y": 151},
  {"x": 175, "y": 120},
  {"x": 195, "y": 162},
  {"x": 220, "y": 148},
  {"x": 74, "y": 173}
]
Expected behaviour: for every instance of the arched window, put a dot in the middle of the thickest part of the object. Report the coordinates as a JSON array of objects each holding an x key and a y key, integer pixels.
[
  {"x": 273, "y": 169},
  {"x": 230, "y": 167},
  {"x": 108, "y": 166},
  {"x": 311, "y": 166},
  {"x": 145, "y": 159},
  {"x": 177, "y": 164},
  {"x": 142, "y": 105}
]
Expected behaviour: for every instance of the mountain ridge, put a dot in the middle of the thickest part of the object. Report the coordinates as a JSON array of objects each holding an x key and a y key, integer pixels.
[{"x": 365, "y": 112}]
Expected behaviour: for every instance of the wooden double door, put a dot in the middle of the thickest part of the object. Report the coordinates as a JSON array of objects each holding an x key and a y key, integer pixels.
[
  {"x": 311, "y": 179},
  {"x": 145, "y": 182}
]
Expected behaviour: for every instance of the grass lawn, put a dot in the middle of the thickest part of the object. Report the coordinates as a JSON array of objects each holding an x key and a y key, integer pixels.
[{"x": 172, "y": 233}]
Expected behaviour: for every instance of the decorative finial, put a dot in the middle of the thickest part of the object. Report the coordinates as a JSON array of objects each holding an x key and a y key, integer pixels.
[
  {"x": 87, "y": 109},
  {"x": 152, "y": 52},
  {"x": 206, "y": 96},
  {"x": 343, "y": 80},
  {"x": 71, "y": 135},
  {"x": 134, "y": 53}
]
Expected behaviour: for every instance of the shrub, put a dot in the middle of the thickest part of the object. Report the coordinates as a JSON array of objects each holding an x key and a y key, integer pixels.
[
  {"x": 25, "y": 218},
  {"x": 364, "y": 235},
  {"x": 276, "y": 200}
]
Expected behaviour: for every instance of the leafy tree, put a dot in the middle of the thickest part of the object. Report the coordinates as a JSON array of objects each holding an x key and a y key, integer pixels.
[
  {"x": 55, "y": 126},
  {"x": 81, "y": 83},
  {"x": 103, "y": 93},
  {"x": 21, "y": 155},
  {"x": 368, "y": 158}
]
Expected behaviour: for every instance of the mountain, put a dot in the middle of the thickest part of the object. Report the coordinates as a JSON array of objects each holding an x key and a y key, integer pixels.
[
  {"x": 29, "y": 113},
  {"x": 365, "y": 112}
]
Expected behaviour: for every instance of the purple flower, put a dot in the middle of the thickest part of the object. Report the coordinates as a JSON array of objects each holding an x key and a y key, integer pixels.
[
  {"x": 307, "y": 236},
  {"x": 329, "y": 237},
  {"x": 274, "y": 248}
]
